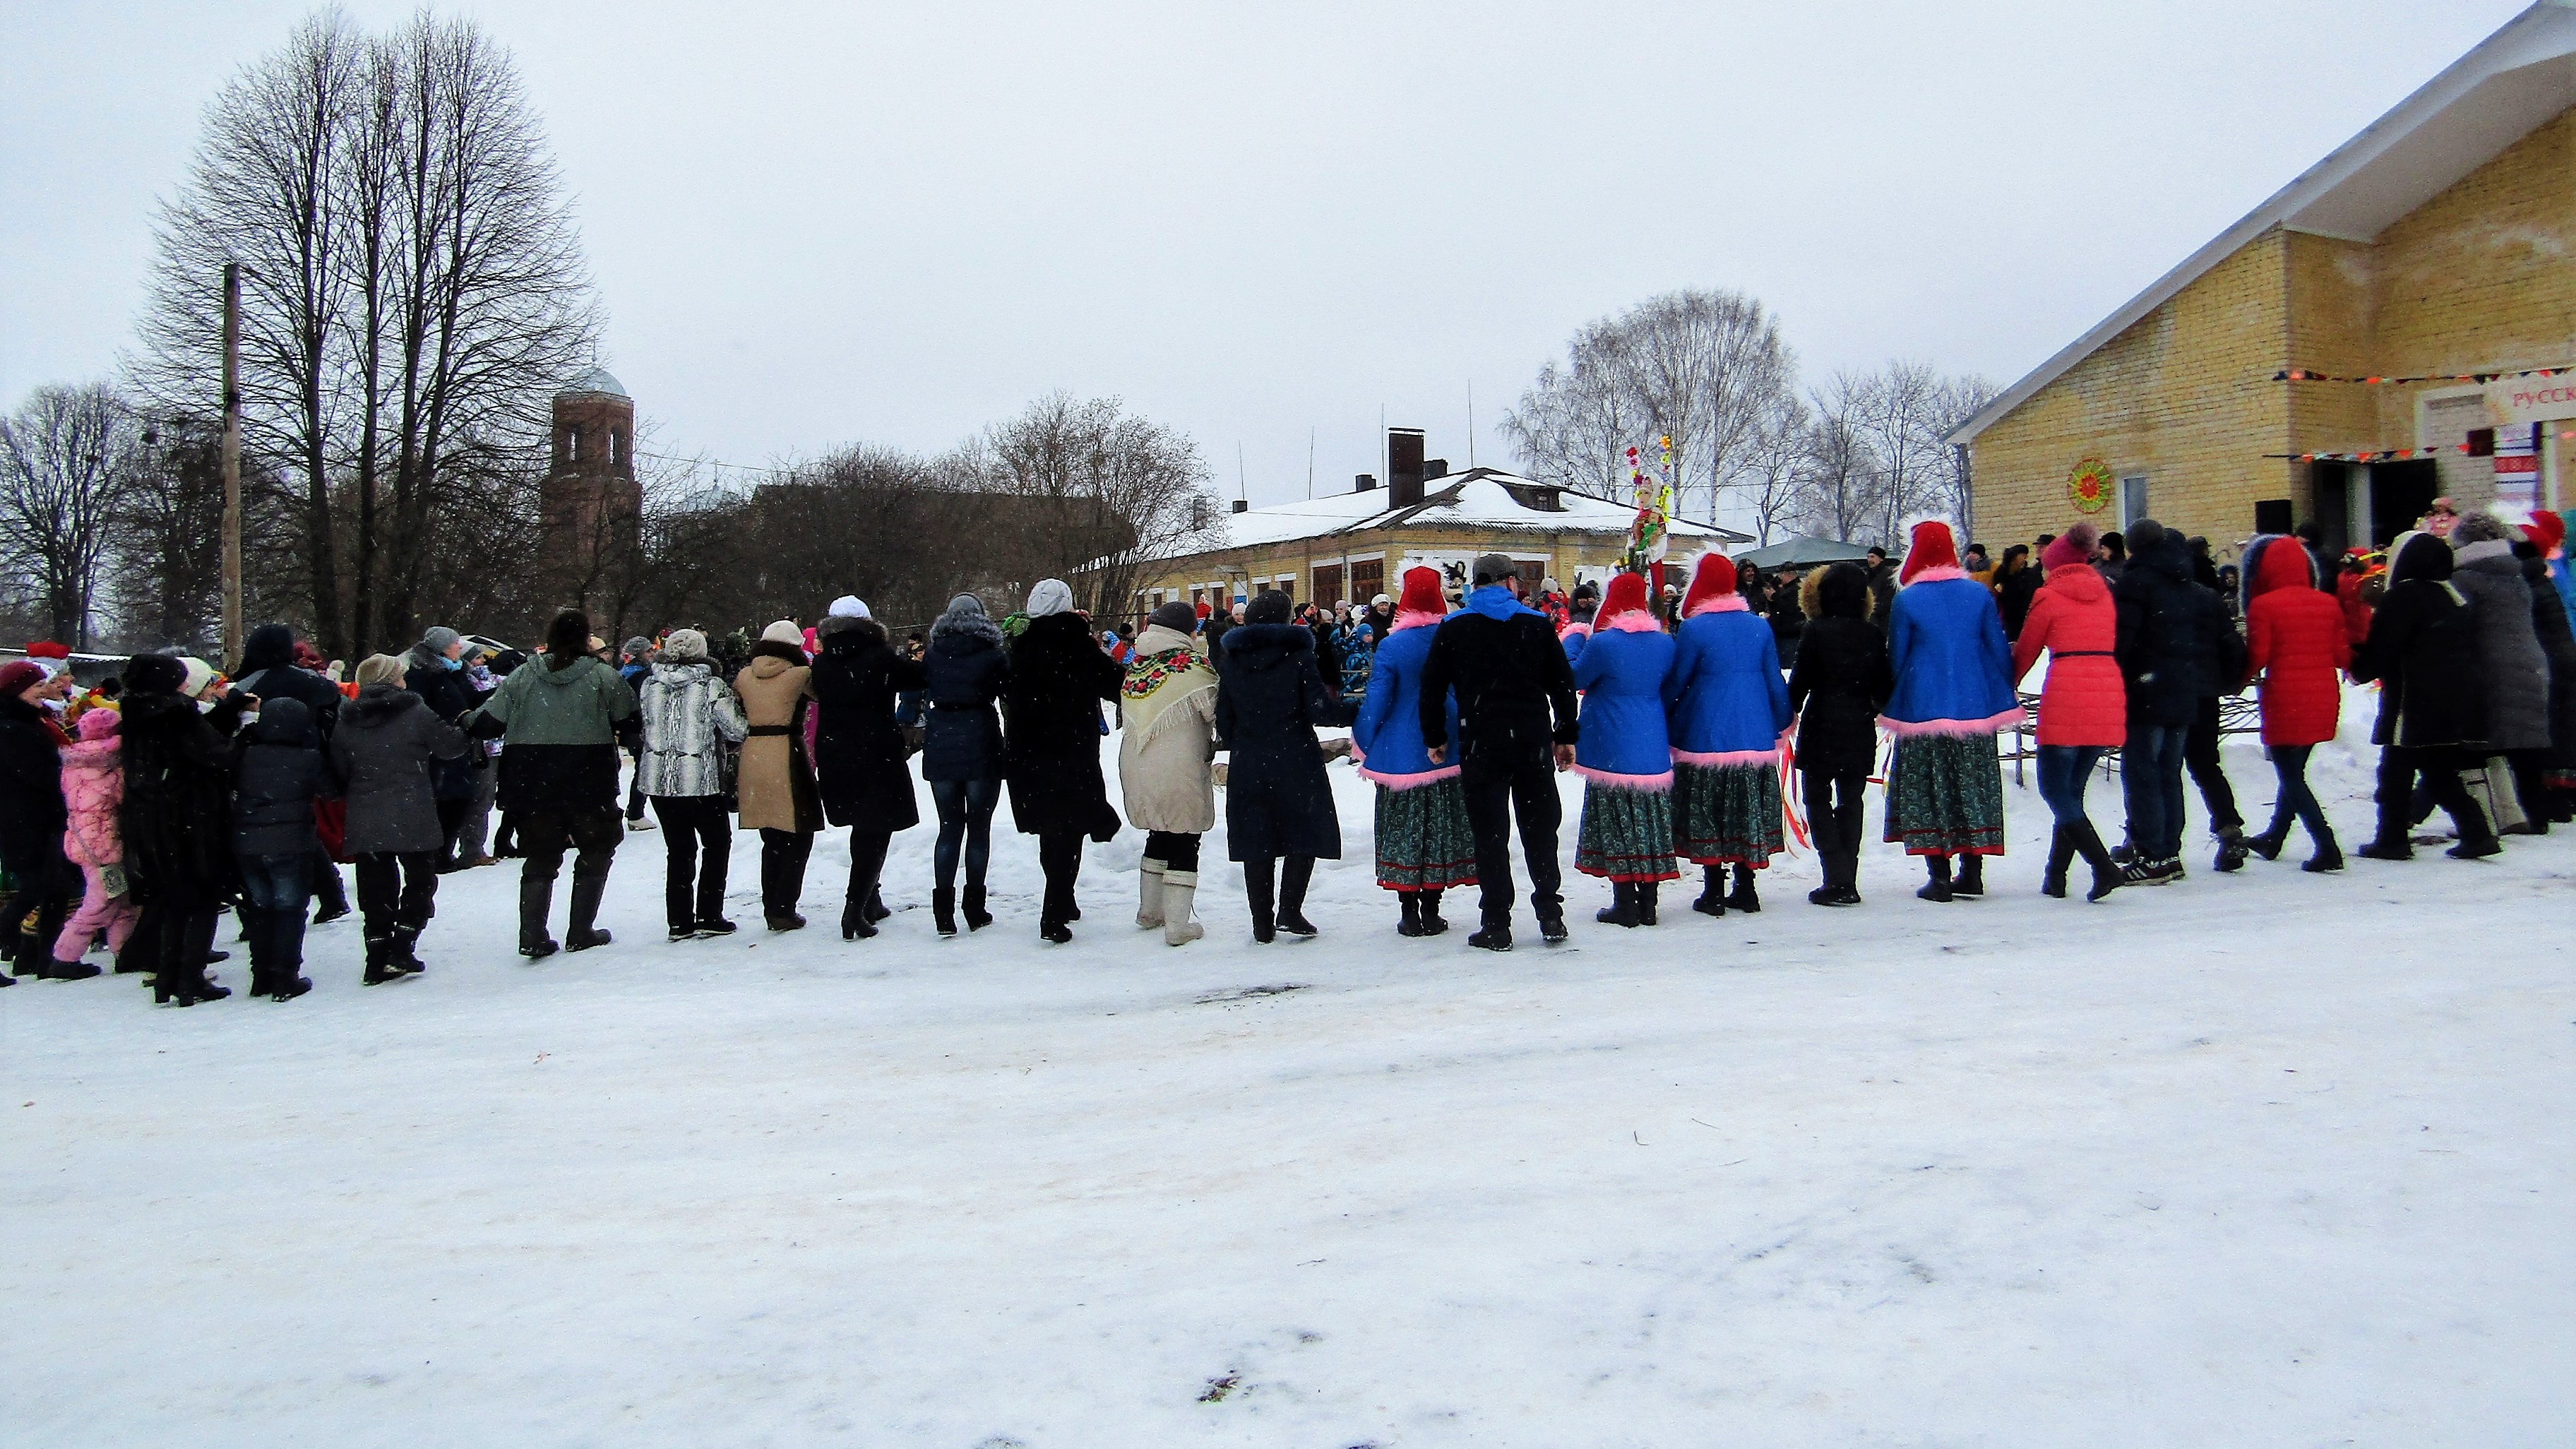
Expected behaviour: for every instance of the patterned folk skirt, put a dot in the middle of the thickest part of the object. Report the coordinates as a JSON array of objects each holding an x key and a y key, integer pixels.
[
  {"x": 1423, "y": 840},
  {"x": 1945, "y": 795},
  {"x": 1627, "y": 834},
  {"x": 1727, "y": 814}
]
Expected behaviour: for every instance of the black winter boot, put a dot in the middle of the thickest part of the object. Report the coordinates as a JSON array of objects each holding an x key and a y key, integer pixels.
[
  {"x": 972, "y": 904},
  {"x": 1971, "y": 879},
  {"x": 943, "y": 909},
  {"x": 2232, "y": 850},
  {"x": 581, "y": 935},
  {"x": 2329, "y": 856},
  {"x": 1646, "y": 892},
  {"x": 380, "y": 961},
  {"x": 1622, "y": 910},
  {"x": 1712, "y": 891},
  {"x": 404, "y": 938},
  {"x": 2268, "y": 844},
  {"x": 536, "y": 898},
  {"x": 1432, "y": 924},
  {"x": 2061, "y": 854},
  {"x": 2106, "y": 871},
  {"x": 1409, "y": 913},
  {"x": 1295, "y": 873},
  {"x": 1937, "y": 888},
  {"x": 1260, "y": 893},
  {"x": 1744, "y": 897}
]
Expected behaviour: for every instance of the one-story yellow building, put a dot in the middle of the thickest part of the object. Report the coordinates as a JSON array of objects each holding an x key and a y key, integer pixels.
[{"x": 2397, "y": 323}]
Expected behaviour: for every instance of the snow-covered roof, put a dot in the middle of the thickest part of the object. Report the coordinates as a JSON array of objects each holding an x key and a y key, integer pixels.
[
  {"x": 2498, "y": 93},
  {"x": 1486, "y": 500}
]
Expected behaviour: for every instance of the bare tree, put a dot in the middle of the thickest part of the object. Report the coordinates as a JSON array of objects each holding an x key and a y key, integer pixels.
[
  {"x": 1840, "y": 492},
  {"x": 63, "y": 458},
  {"x": 413, "y": 287},
  {"x": 1100, "y": 493},
  {"x": 1700, "y": 367},
  {"x": 1955, "y": 401},
  {"x": 1772, "y": 476}
]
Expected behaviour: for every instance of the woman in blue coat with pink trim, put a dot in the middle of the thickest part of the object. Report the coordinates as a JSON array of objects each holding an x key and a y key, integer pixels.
[
  {"x": 1729, "y": 709},
  {"x": 1625, "y": 754},
  {"x": 1945, "y": 789},
  {"x": 1424, "y": 842}
]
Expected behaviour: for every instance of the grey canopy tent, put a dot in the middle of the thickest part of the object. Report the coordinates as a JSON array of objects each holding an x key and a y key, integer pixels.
[{"x": 1800, "y": 550}]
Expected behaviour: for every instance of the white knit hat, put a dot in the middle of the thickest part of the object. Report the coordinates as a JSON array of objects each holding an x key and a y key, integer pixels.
[
  {"x": 783, "y": 632},
  {"x": 684, "y": 646},
  {"x": 850, "y": 606}
]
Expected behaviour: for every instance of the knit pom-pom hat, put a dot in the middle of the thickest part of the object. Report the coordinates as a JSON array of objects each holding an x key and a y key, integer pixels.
[
  {"x": 100, "y": 722},
  {"x": 1712, "y": 579},
  {"x": 1934, "y": 552},
  {"x": 2074, "y": 546}
]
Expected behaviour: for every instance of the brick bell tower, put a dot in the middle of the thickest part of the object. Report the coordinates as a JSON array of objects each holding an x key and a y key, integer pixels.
[{"x": 593, "y": 507}]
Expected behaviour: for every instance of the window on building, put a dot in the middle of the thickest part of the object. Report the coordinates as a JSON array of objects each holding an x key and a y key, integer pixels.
[
  {"x": 1368, "y": 579},
  {"x": 617, "y": 447},
  {"x": 1328, "y": 584},
  {"x": 2133, "y": 499},
  {"x": 572, "y": 445}
]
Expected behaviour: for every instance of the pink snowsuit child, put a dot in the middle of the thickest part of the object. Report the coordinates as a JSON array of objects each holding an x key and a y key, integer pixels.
[{"x": 93, "y": 791}]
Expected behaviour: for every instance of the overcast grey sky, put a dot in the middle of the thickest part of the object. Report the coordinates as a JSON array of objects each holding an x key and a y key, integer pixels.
[{"x": 821, "y": 223}]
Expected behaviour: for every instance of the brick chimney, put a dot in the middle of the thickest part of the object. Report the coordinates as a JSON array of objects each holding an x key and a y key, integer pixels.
[{"x": 1403, "y": 467}]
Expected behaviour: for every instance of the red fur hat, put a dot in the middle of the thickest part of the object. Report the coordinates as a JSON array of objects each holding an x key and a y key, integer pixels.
[
  {"x": 1627, "y": 595},
  {"x": 48, "y": 649},
  {"x": 1933, "y": 548},
  {"x": 2546, "y": 531},
  {"x": 1712, "y": 579}
]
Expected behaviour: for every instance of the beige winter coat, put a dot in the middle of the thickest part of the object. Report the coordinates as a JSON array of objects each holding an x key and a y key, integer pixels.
[
  {"x": 1163, "y": 759},
  {"x": 777, "y": 780}
]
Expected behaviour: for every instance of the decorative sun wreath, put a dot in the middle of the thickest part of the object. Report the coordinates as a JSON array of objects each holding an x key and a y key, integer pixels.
[{"x": 2091, "y": 486}]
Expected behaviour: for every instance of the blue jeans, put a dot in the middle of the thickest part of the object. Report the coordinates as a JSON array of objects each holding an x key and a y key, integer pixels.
[
  {"x": 2290, "y": 764},
  {"x": 2151, "y": 780},
  {"x": 275, "y": 889},
  {"x": 2064, "y": 772},
  {"x": 965, "y": 820}
]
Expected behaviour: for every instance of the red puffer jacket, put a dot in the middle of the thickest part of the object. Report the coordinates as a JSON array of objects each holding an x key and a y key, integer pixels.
[
  {"x": 2296, "y": 640},
  {"x": 2073, "y": 618}
]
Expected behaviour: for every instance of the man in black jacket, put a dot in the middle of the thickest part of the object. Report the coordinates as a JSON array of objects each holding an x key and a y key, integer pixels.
[
  {"x": 268, "y": 671},
  {"x": 2173, "y": 645},
  {"x": 1516, "y": 714}
]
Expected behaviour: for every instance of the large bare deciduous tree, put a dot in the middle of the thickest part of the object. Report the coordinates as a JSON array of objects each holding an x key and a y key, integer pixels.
[
  {"x": 1094, "y": 491},
  {"x": 64, "y": 456},
  {"x": 1702, "y": 367}
]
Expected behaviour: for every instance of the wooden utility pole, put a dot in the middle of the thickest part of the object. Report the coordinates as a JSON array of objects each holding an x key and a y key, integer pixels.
[{"x": 232, "y": 641}]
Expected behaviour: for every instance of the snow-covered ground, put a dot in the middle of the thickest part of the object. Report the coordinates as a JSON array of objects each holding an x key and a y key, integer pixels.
[{"x": 2269, "y": 1159}]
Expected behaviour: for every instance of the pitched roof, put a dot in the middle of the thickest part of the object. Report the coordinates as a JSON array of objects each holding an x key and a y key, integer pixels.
[
  {"x": 2498, "y": 93},
  {"x": 1482, "y": 499}
]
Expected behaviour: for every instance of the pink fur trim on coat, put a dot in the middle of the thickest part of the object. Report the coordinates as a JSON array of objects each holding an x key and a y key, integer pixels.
[
  {"x": 1410, "y": 782},
  {"x": 1936, "y": 574},
  {"x": 1632, "y": 622},
  {"x": 1728, "y": 759},
  {"x": 1901, "y": 728},
  {"x": 1599, "y": 776},
  {"x": 1722, "y": 604},
  {"x": 1414, "y": 619}
]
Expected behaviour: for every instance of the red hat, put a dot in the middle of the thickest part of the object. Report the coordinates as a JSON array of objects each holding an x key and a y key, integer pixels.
[
  {"x": 2546, "y": 531},
  {"x": 19, "y": 675},
  {"x": 1712, "y": 579},
  {"x": 47, "y": 649},
  {"x": 1933, "y": 548},
  {"x": 2074, "y": 546},
  {"x": 1422, "y": 594},
  {"x": 1627, "y": 595}
]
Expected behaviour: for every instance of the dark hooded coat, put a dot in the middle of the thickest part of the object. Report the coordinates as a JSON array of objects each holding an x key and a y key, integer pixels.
[
  {"x": 2176, "y": 647},
  {"x": 2511, "y": 664},
  {"x": 450, "y": 694},
  {"x": 966, "y": 668},
  {"x": 858, "y": 749},
  {"x": 1270, "y": 695},
  {"x": 2557, "y": 641},
  {"x": 1051, "y": 728},
  {"x": 278, "y": 772},
  {"x": 385, "y": 748},
  {"x": 32, "y": 813},
  {"x": 1842, "y": 678},
  {"x": 177, "y": 816},
  {"x": 269, "y": 671},
  {"x": 2423, "y": 650}
]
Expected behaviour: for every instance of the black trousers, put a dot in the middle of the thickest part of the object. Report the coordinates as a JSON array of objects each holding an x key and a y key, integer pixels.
[
  {"x": 1060, "y": 856},
  {"x": 1498, "y": 789},
  {"x": 1834, "y": 821},
  {"x": 1175, "y": 849},
  {"x": 2400, "y": 767},
  {"x": 397, "y": 891},
  {"x": 699, "y": 837},
  {"x": 181, "y": 940},
  {"x": 783, "y": 854},
  {"x": 2200, "y": 756},
  {"x": 1286, "y": 894},
  {"x": 45, "y": 890}
]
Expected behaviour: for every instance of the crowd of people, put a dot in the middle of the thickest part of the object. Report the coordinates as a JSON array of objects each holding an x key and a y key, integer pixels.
[{"x": 133, "y": 815}]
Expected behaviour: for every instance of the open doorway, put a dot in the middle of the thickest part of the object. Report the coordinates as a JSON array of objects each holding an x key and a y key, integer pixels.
[{"x": 2399, "y": 495}]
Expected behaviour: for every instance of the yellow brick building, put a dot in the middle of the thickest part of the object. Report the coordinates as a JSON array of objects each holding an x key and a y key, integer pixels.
[
  {"x": 2439, "y": 244},
  {"x": 1350, "y": 547}
]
